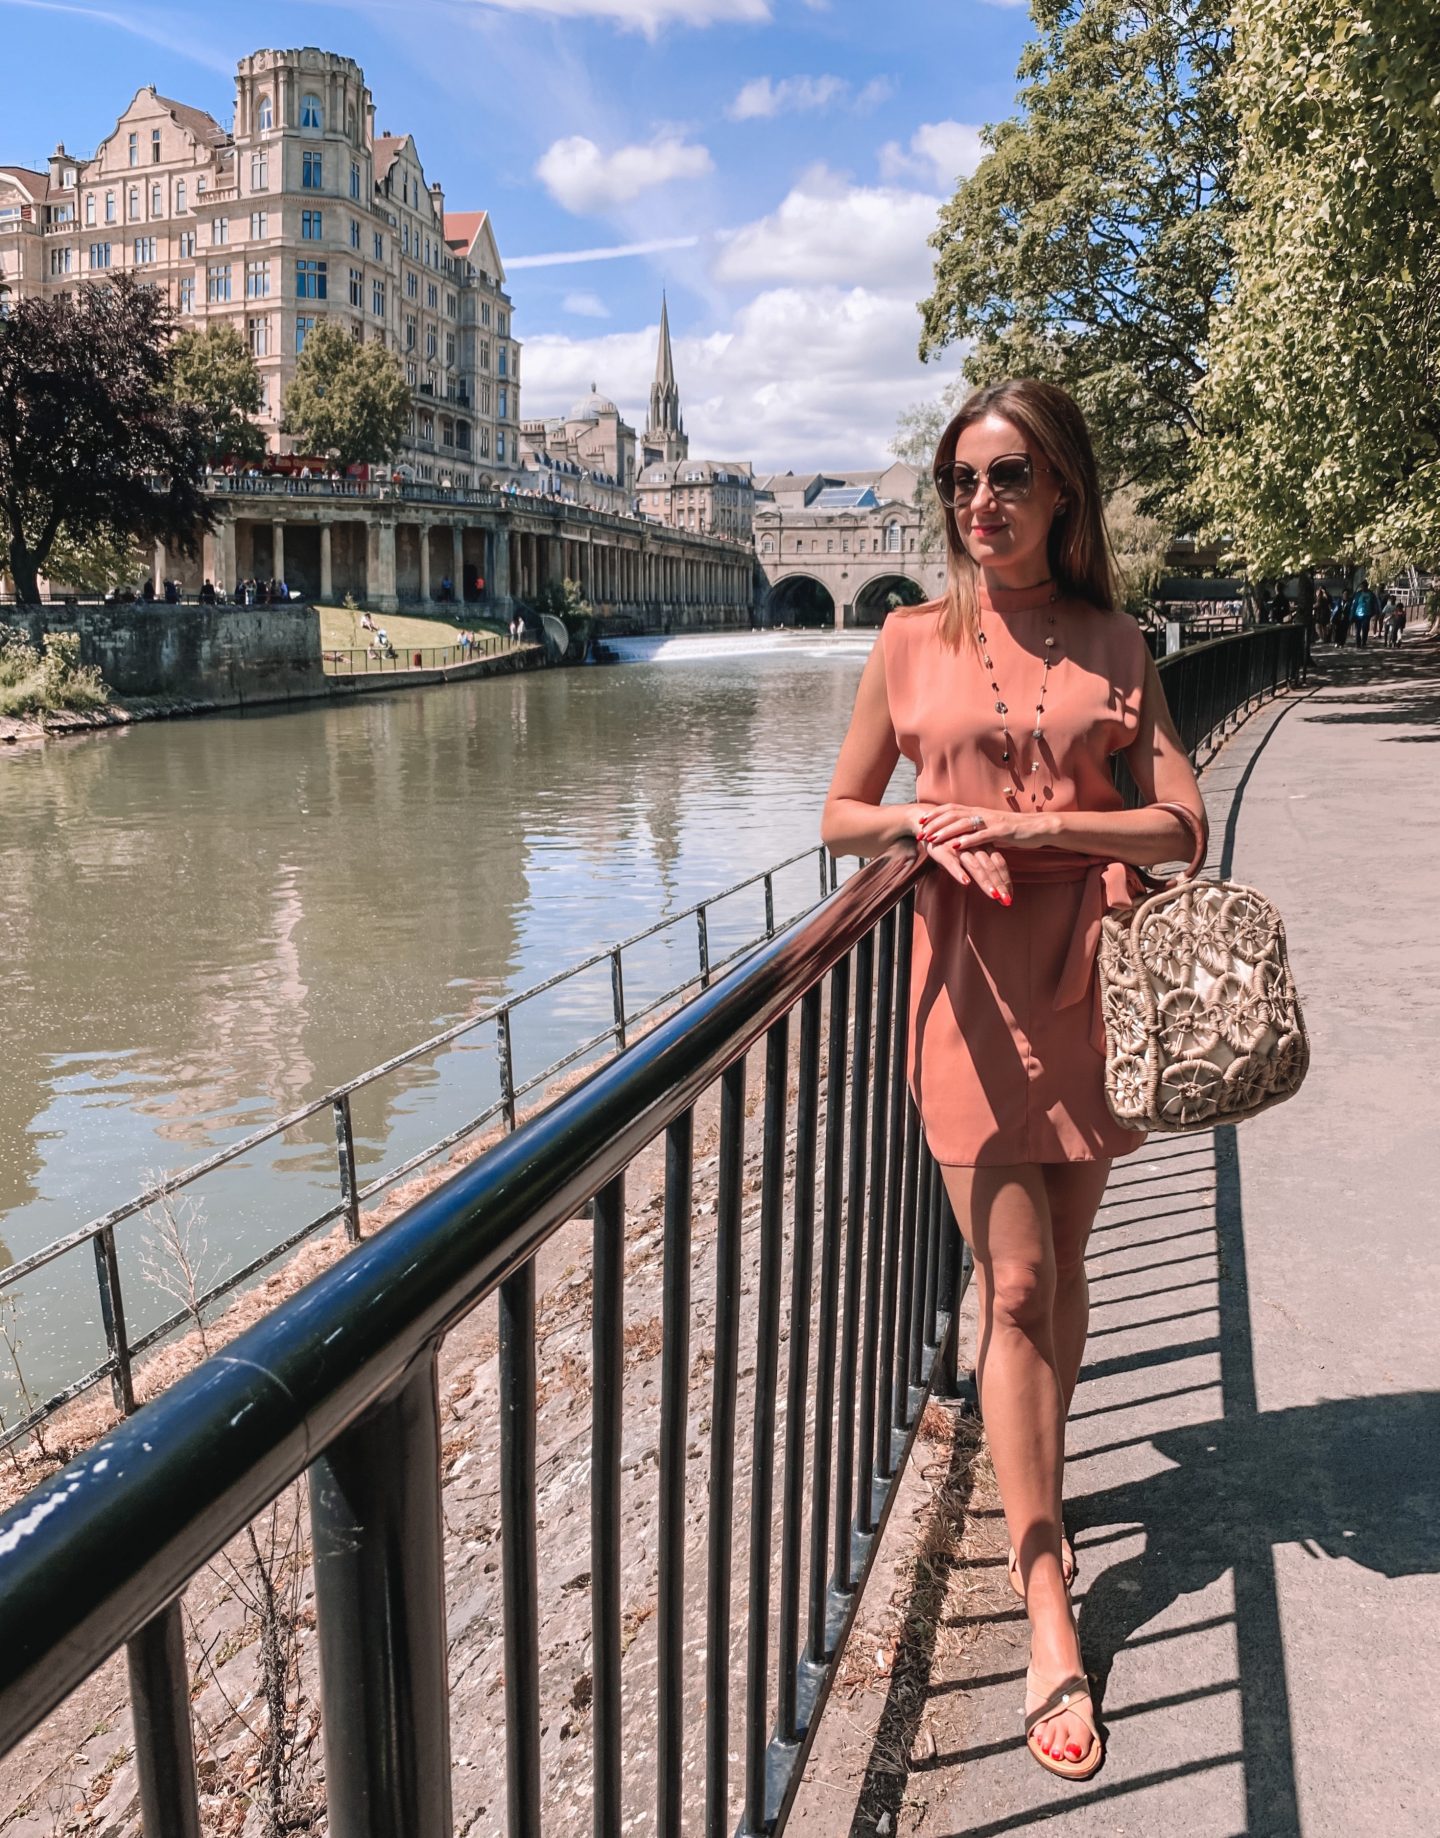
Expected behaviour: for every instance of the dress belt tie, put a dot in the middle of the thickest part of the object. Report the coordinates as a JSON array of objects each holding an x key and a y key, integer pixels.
[{"x": 1107, "y": 886}]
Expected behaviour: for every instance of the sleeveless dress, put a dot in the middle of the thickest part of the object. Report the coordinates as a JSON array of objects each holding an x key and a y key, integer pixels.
[{"x": 1006, "y": 1054}]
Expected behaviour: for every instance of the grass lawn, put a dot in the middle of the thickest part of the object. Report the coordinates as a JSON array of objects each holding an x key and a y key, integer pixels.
[{"x": 340, "y": 629}]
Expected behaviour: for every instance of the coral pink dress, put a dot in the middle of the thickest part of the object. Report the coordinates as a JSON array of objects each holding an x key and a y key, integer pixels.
[{"x": 1006, "y": 1056}]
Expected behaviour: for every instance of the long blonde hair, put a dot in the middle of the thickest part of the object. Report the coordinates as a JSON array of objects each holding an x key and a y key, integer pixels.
[{"x": 1078, "y": 549}]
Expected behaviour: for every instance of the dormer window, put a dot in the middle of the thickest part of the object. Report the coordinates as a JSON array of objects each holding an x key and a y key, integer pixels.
[
  {"x": 267, "y": 114},
  {"x": 311, "y": 114}
]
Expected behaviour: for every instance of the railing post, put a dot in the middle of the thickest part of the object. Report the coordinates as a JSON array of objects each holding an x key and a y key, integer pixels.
[
  {"x": 507, "y": 1066},
  {"x": 769, "y": 905},
  {"x": 164, "y": 1737},
  {"x": 112, "y": 1316},
  {"x": 617, "y": 993},
  {"x": 380, "y": 1602},
  {"x": 345, "y": 1148},
  {"x": 520, "y": 1574},
  {"x": 701, "y": 919}
]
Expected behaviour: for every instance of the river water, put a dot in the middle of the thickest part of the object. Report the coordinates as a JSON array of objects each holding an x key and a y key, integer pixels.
[{"x": 207, "y": 923}]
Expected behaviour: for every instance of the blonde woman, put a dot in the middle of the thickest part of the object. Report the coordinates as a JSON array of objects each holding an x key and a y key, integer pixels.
[{"x": 1010, "y": 694}]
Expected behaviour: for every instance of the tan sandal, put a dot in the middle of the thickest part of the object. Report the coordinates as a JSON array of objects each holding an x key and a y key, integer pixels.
[
  {"x": 1068, "y": 1566},
  {"x": 1065, "y": 1698}
]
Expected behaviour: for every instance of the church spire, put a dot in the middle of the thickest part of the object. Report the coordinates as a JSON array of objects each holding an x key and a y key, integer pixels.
[{"x": 665, "y": 437}]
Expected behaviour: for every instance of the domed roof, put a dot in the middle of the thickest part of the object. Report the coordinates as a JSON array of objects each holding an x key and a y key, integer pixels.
[{"x": 592, "y": 407}]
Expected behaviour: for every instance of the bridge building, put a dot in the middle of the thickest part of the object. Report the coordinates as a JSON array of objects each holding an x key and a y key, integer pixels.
[{"x": 841, "y": 548}]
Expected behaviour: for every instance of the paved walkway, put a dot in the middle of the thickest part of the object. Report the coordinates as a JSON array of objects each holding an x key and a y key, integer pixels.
[{"x": 1254, "y": 1481}]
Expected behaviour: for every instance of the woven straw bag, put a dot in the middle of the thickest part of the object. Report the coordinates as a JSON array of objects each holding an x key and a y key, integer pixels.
[{"x": 1202, "y": 1022}]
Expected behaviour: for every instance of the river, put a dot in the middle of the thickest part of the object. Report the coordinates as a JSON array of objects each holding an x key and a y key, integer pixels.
[{"x": 207, "y": 923}]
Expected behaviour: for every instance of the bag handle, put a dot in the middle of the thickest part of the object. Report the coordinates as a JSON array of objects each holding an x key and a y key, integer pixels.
[{"x": 1158, "y": 883}]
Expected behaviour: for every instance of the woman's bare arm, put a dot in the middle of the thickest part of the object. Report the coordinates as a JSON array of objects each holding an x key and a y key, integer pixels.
[{"x": 853, "y": 821}]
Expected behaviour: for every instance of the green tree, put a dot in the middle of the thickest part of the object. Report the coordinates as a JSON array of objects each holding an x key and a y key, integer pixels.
[
  {"x": 917, "y": 434},
  {"x": 91, "y": 441},
  {"x": 1091, "y": 244},
  {"x": 213, "y": 371},
  {"x": 347, "y": 399},
  {"x": 1323, "y": 390}
]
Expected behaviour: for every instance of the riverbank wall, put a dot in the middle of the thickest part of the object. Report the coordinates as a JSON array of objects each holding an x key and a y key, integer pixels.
[{"x": 214, "y": 654}]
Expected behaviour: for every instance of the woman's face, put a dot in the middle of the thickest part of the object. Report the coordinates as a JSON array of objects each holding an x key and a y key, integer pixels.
[{"x": 1000, "y": 531}]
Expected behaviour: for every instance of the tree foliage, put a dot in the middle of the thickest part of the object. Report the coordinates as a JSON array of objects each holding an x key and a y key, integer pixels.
[
  {"x": 1090, "y": 245},
  {"x": 1323, "y": 391},
  {"x": 91, "y": 441},
  {"x": 347, "y": 399},
  {"x": 212, "y": 370}
]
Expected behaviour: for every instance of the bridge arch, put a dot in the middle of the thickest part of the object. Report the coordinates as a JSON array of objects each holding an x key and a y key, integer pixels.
[
  {"x": 800, "y": 600},
  {"x": 881, "y": 592}
]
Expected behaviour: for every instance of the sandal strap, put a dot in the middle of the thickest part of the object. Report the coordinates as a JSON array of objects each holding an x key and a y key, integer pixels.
[{"x": 1064, "y": 1700}]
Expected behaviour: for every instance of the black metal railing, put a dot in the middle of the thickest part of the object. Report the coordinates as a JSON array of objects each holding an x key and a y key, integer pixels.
[{"x": 341, "y": 1382}]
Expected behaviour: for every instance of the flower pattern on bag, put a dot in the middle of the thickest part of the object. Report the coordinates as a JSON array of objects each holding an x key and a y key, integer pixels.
[
  {"x": 1125, "y": 1018},
  {"x": 1190, "y": 1091},
  {"x": 1249, "y": 924},
  {"x": 1272, "y": 993},
  {"x": 1166, "y": 950},
  {"x": 1187, "y": 1024},
  {"x": 1289, "y": 1061},
  {"x": 1238, "y": 1012},
  {"x": 1247, "y": 1082},
  {"x": 1207, "y": 938},
  {"x": 1131, "y": 1083}
]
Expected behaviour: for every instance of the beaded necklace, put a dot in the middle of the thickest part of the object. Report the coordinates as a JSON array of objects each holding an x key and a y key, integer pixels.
[{"x": 1002, "y": 707}]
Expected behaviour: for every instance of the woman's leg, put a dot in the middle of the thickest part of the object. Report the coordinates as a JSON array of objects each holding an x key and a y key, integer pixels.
[
  {"x": 1004, "y": 1214},
  {"x": 1074, "y": 1190}
]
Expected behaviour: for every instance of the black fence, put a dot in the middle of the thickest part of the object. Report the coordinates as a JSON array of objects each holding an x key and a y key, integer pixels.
[{"x": 340, "y": 1382}]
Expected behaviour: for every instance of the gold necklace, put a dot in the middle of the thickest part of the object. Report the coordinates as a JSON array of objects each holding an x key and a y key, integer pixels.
[{"x": 1002, "y": 708}]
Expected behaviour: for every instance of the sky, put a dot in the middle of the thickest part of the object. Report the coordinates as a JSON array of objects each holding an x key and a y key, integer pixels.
[{"x": 776, "y": 166}]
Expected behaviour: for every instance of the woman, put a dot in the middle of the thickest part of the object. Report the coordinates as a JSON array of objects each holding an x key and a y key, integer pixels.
[{"x": 1010, "y": 694}]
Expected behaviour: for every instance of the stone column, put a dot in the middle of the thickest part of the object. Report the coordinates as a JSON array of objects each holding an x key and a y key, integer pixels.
[
  {"x": 497, "y": 579},
  {"x": 277, "y": 551},
  {"x": 457, "y": 566},
  {"x": 380, "y": 566},
  {"x": 225, "y": 554},
  {"x": 327, "y": 571},
  {"x": 162, "y": 566},
  {"x": 425, "y": 563}
]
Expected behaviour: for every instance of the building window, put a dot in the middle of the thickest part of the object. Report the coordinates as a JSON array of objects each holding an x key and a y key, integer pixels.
[
  {"x": 500, "y": 444},
  {"x": 357, "y": 332},
  {"x": 257, "y": 336},
  {"x": 432, "y": 343},
  {"x": 259, "y": 172},
  {"x": 109, "y": 207},
  {"x": 200, "y": 186},
  {"x": 257, "y": 280},
  {"x": 312, "y": 171},
  {"x": 187, "y": 245},
  {"x": 432, "y": 295},
  {"x": 484, "y": 353},
  {"x": 502, "y": 325},
  {"x": 354, "y": 232},
  {"x": 144, "y": 250},
  {"x": 502, "y": 360},
  {"x": 412, "y": 376},
  {"x": 462, "y": 436},
  {"x": 503, "y": 403},
  {"x": 379, "y": 247},
  {"x": 405, "y": 238},
  {"x": 179, "y": 195},
  {"x": 219, "y": 232},
  {"x": 302, "y": 326},
  {"x": 312, "y": 226},
  {"x": 447, "y": 431},
  {"x": 157, "y": 201},
  {"x": 134, "y": 149},
  {"x": 259, "y": 225},
  {"x": 134, "y": 204},
  {"x": 412, "y": 285},
  {"x": 427, "y": 427},
  {"x": 357, "y": 287},
  {"x": 449, "y": 347},
  {"x": 892, "y": 538},
  {"x": 310, "y": 280},
  {"x": 409, "y": 332},
  {"x": 187, "y": 293},
  {"x": 99, "y": 255},
  {"x": 484, "y": 443},
  {"x": 154, "y": 146},
  {"x": 311, "y": 113},
  {"x": 217, "y": 283},
  {"x": 267, "y": 115},
  {"x": 450, "y": 306},
  {"x": 90, "y": 207},
  {"x": 484, "y": 312},
  {"x": 354, "y": 178},
  {"x": 60, "y": 261},
  {"x": 377, "y": 299}
]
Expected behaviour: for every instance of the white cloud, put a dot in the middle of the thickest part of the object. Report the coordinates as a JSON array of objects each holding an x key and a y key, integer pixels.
[
  {"x": 939, "y": 153},
  {"x": 578, "y": 175},
  {"x": 586, "y": 306},
  {"x": 563, "y": 258},
  {"x": 761, "y": 98},
  {"x": 827, "y": 230},
  {"x": 801, "y": 376},
  {"x": 647, "y": 16}
]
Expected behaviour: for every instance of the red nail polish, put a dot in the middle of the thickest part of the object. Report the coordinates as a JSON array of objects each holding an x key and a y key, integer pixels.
[{"x": 1007, "y": 900}]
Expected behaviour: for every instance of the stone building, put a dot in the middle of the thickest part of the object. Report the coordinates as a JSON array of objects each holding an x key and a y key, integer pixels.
[
  {"x": 838, "y": 548},
  {"x": 717, "y": 496},
  {"x": 298, "y": 211},
  {"x": 593, "y": 438},
  {"x": 665, "y": 440}
]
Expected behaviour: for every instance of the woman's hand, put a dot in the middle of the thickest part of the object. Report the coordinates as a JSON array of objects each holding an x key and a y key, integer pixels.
[{"x": 966, "y": 841}]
